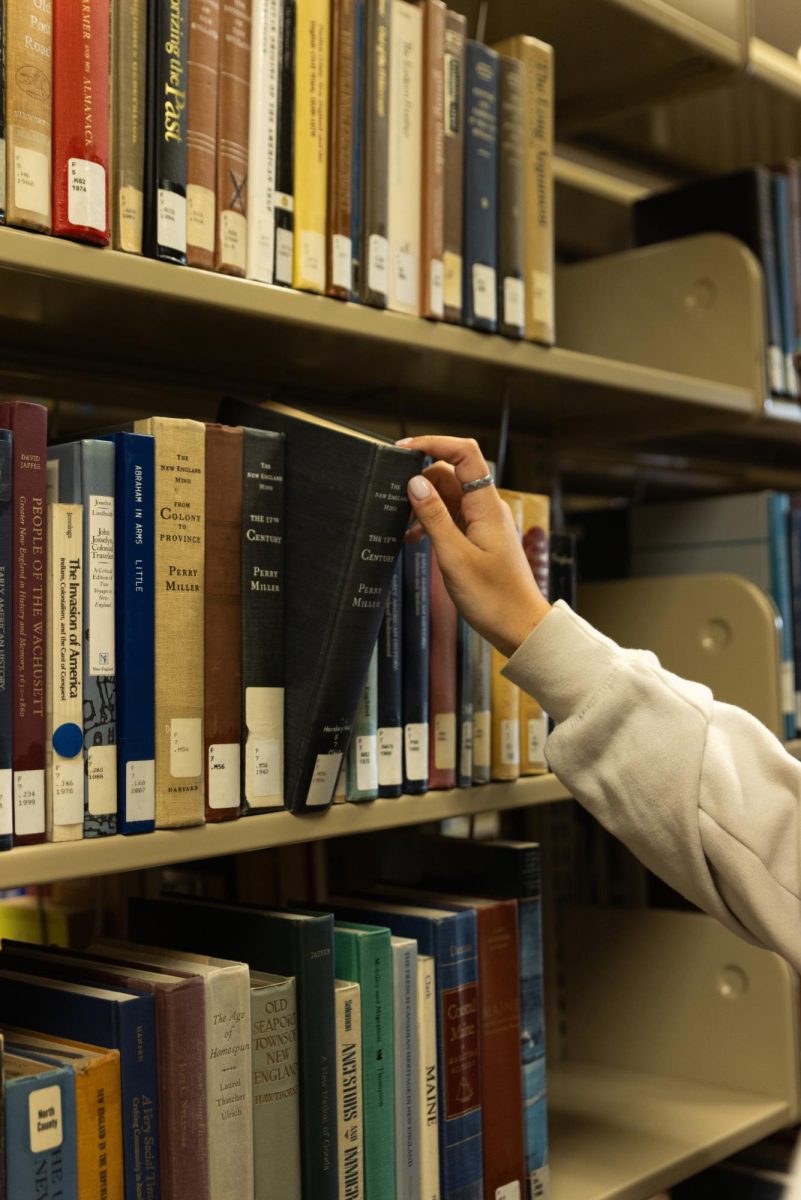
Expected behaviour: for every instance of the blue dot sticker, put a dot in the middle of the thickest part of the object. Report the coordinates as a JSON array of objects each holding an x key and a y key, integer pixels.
[{"x": 68, "y": 740}]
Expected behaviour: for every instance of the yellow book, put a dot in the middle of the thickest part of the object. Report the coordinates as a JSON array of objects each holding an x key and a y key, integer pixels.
[
  {"x": 537, "y": 59},
  {"x": 533, "y": 721},
  {"x": 505, "y": 705},
  {"x": 313, "y": 34}
]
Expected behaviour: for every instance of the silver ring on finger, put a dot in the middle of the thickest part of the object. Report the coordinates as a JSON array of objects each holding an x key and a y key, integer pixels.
[{"x": 475, "y": 485}]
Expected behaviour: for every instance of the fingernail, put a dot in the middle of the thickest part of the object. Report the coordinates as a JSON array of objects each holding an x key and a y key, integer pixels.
[
  {"x": 419, "y": 487},
  {"x": 404, "y": 441}
]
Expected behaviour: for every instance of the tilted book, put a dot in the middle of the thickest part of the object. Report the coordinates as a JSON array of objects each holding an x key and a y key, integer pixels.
[
  {"x": 64, "y": 760},
  {"x": 362, "y": 776},
  {"x": 453, "y": 183},
  {"x": 347, "y": 1001},
  {"x": 134, "y": 537},
  {"x": 511, "y": 208},
  {"x": 374, "y": 286},
  {"x": 80, "y": 165},
  {"x": 6, "y": 652},
  {"x": 29, "y": 120},
  {"x": 340, "y": 151},
  {"x": 233, "y": 115},
  {"x": 443, "y": 698},
  {"x": 505, "y": 696},
  {"x": 128, "y": 98},
  {"x": 405, "y": 156},
  {"x": 533, "y": 721},
  {"x": 389, "y": 714},
  {"x": 312, "y": 70},
  {"x": 276, "y": 1090},
  {"x": 83, "y": 473},
  {"x": 428, "y": 1077},
  {"x": 416, "y": 652},
  {"x": 480, "y": 267},
  {"x": 340, "y": 553},
  {"x": 265, "y": 36},
  {"x": 180, "y": 455},
  {"x": 164, "y": 230},
  {"x": 222, "y": 623},
  {"x": 285, "y": 149},
  {"x": 201, "y": 132},
  {"x": 407, "y": 1083},
  {"x": 40, "y": 1128},
  {"x": 432, "y": 281}
]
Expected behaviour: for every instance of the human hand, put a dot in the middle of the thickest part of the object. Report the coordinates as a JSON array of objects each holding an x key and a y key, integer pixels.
[{"x": 485, "y": 570}]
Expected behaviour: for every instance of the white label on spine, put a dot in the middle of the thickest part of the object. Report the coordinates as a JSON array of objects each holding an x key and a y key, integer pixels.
[
  {"x": 101, "y": 771},
  {"x": 416, "y": 751},
  {"x": 6, "y": 801},
  {"x": 791, "y": 374},
  {"x": 324, "y": 780},
  {"x": 445, "y": 741},
  {"x": 452, "y": 264},
  {"x": 200, "y": 207},
  {"x": 283, "y": 255},
  {"x": 171, "y": 221},
  {"x": 510, "y": 743},
  {"x": 312, "y": 259},
  {"x": 266, "y": 770},
  {"x": 264, "y": 722},
  {"x": 68, "y": 791},
  {"x": 233, "y": 239},
  {"x": 508, "y": 1191},
  {"x": 44, "y": 1118},
  {"x": 787, "y": 676},
  {"x": 482, "y": 726},
  {"x": 485, "y": 301},
  {"x": 514, "y": 302},
  {"x": 140, "y": 790},
  {"x": 452, "y": 80},
  {"x": 100, "y": 572},
  {"x": 466, "y": 750},
  {"x": 224, "y": 764},
  {"x": 29, "y": 802},
  {"x": 537, "y": 731},
  {"x": 377, "y": 261},
  {"x": 775, "y": 369},
  {"x": 538, "y": 1183},
  {"x": 405, "y": 267},
  {"x": 436, "y": 299},
  {"x": 131, "y": 204},
  {"x": 341, "y": 261},
  {"x": 390, "y": 756},
  {"x": 32, "y": 180},
  {"x": 367, "y": 762},
  {"x": 542, "y": 297},
  {"x": 86, "y": 198},
  {"x": 186, "y": 756}
]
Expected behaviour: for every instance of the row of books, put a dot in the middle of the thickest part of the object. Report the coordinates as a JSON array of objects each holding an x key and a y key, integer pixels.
[
  {"x": 364, "y": 149},
  {"x": 387, "y": 1046}
]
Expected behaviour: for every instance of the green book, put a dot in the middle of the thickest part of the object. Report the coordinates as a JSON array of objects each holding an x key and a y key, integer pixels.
[{"x": 363, "y": 954}]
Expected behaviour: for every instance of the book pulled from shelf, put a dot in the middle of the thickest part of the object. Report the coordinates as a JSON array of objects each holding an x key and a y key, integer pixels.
[
  {"x": 203, "y": 54},
  {"x": 128, "y": 105},
  {"x": 347, "y": 1006},
  {"x": 164, "y": 217}
]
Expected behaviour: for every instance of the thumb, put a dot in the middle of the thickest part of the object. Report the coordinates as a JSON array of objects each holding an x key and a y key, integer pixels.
[{"x": 434, "y": 517}]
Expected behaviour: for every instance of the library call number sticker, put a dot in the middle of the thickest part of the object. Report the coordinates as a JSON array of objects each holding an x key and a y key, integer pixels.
[{"x": 186, "y": 760}]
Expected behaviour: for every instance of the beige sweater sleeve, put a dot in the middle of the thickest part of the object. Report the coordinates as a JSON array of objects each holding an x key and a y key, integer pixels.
[{"x": 700, "y": 791}]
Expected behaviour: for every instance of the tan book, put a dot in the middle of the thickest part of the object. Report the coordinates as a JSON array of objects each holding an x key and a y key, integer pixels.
[
  {"x": 432, "y": 225},
  {"x": 233, "y": 124},
  {"x": 312, "y": 73},
  {"x": 533, "y": 721},
  {"x": 405, "y": 120},
  {"x": 505, "y": 749},
  {"x": 201, "y": 132},
  {"x": 29, "y": 117},
  {"x": 537, "y": 59},
  {"x": 180, "y": 450},
  {"x": 126, "y": 202}
]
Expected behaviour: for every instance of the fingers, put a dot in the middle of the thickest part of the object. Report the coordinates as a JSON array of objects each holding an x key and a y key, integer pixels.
[
  {"x": 464, "y": 454},
  {"x": 443, "y": 477},
  {"x": 462, "y": 458},
  {"x": 435, "y": 520}
]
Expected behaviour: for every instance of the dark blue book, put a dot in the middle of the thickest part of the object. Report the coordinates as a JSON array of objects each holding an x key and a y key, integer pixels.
[
  {"x": 134, "y": 523},
  {"x": 83, "y": 473},
  {"x": 416, "y": 648},
  {"x": 356, "y": 147},
  {"x": 780, "y": 191},
  {"x": 390, "y": 690},
  {"x": 480, "y": 275},
  {"x": 40, "y": 1128},
  {"x": 119, "y": 1020},
  {"x": 6, "y": 700},
  {"x": 782, "y": 592}
]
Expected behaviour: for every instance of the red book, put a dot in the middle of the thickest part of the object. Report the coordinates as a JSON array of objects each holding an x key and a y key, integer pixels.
[
  {"x": 28, "y": 425},
  {"x": 442, "y": 684},
  {"x": 81, "y": 120}
]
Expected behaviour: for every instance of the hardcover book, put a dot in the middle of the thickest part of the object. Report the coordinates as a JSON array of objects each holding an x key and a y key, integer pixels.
[
  {"x": 340, "y": 151},
  {"x": 562, "y": 568},
  {"x": 28, "y": 426},
  {"x": 276, "y": 1116},
  {"x": 263, "y": 597},
  {"x": 40, "y": 1128},
  {"x": 285, "y": 149},
  {"x": 81, "y": 82},
  {"x": 780, "y": 195},
  {"x": 482, "y": 708},
  {"x": 362, "y": 777},
  {"x": 164, "y": 230},
  {"x": 794, "y": 190},
  {"x": 201, "y": 131},
  {"x": 464, "y": 699},
  {"x": 83, "y": 473},
  {"x": 134, "y": 539},
  {"x": 511, "y": 239},
  {"x": 28, "y": 89},
  {"x": 428, "y": 1077},
  {"x": 233, "y": 114},
  {"x": 416, "y": 652},
  {"x": 2, "y": 221},
  {"x": 347, "y": 1001},
  {"x": 357, "y": 157},
  {"x": 480, "y": 274},
  {"x": 505, "y": 696},
  {"x": 375, "y": 178},
  {"x": 405, "y": 157},
  {"x": 443, "y": 742},
  {"x": 128, "y": 82},
  {"x": 312, "y": 63},
  {"x": 390, "y": 689},
  {"x": 262, "y": 133},
  {"x": 222, "y": 638},
  {"x": 533, "y": 721},
  {"x": 180, "y": 454},
  {"x": 407, "y": 1082},
  {"x": 432, "y": 283},
  {"x": 340, "y": 553},
  {"x": 453, "y": 183},
  {"x": 6, "y": 653}
]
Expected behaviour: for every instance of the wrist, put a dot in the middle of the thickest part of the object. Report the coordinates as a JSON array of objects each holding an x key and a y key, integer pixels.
[{"x": 513, "y": 638}]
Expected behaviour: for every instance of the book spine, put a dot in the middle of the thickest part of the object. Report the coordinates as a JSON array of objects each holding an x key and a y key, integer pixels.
[
  {"x": 533, "y": 721},
  {"x": 442, "y": 683},
  {"x": 128, "y": 84},
  {"x": 201, "y": 131},
  {"x": 505, "y": 696},
  {"x": 532, "y": 1023},
  {"x": 767, "y": 239},
  {"x": 453, "y": 203},
  {"x": 262, "y": 133},
  {"x": 407, "y": 1090},
  {"x": 357, "y": 157},
  {"x": 7, "y": 691},
  {"x": 428, "y": 1078},
  {"x": 482, "y": 708},
  {"x": 374, "y": 287},
  {"x": 780, "y": 188},
  {"x": 795, "y": 574},
  {"x": 165, "y": 144},
  {"x": 480, "y": 292},
  {"x": 340, "y": 156},
  {"x": 416, "y": 576},
  {"x": 405, "y": 157},
  {"x": 781, "y": 589},
  {"x": 390, "y": 690},
  {"x": 433, "y": 162},
  {"x": 135, "y": 631},
  {"x": 41, "y": 1156},
  {"x": 2, "y": 222},
  {"x": 64, "y": 760},
  {"x": 794, "y": 200},
  {"x": 362, "y": 778},
  {"x": 465, "y": 703},
  {"x": 29, "y": 88},
  {"x": 80, "y": 163},
  {"x": 511, "y": 240},
  {"x": 178, "y": 582},
  {"x": 562, "y": 584},
  {"x": 276, "y": 1121},
  {"x": 229, "y": 1084},
  {"x": 312, "y": 63},
  {"x": 539, "y": 220},
  {"x": 319, "y": 1137},
  {"x": 233, "y": 112},
  {"x": 349, "y": 1090},
  {"x": 28, "y": 425},
  {"x": 285, "y": 148},
  {"x": 99, "y": 1120},
  {"x": 222, "y": 674},
  {"x": 263, "y": 584},
  {"x": 182, "y": 1084}
]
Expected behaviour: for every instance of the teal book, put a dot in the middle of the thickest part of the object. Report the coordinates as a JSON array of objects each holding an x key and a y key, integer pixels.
[
  {"x": 363, "y": 954},
  {"x": 40, "y": 1135},
  {"x": 362, "y": 777}
]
